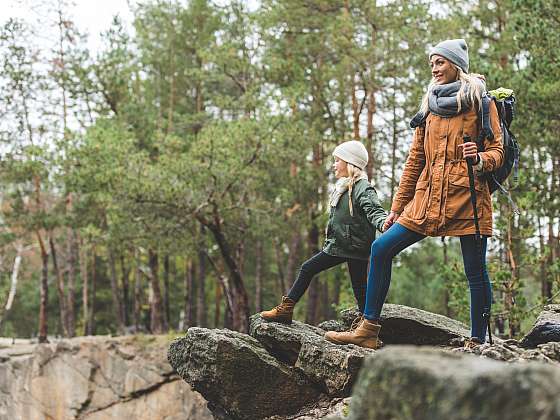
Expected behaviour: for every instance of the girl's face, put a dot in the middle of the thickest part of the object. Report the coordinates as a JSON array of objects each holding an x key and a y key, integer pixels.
[
  {"x": 443, "y": 71},
  {"x": 340, "y": 168}
]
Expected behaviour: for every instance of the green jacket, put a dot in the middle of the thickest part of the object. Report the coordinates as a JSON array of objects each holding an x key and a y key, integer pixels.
[{"x": 351, "y": 237}]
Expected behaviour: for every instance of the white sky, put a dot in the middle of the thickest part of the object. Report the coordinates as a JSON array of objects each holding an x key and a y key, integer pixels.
[{"x": 91, "y": 16}]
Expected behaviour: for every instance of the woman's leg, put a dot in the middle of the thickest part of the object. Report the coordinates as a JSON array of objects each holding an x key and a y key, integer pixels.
[
  {"x": 479, "y": 284},
  {"x": 358, "y": 277},
  {"x": 383, "y": 249},
  {"x": 319, "y": 262}
]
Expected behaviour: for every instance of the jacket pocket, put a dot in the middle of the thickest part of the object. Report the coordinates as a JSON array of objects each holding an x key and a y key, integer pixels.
[
  {"x": 420, "y": 201},
  {"x": 458, "y": 203},
  {"x": 360, "y": 237}
]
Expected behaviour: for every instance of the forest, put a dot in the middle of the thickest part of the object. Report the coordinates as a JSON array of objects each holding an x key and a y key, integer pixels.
[{"x": 180, "y": 175}]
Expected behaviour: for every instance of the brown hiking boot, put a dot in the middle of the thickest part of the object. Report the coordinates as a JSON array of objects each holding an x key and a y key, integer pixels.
[
  {"x": 282, "y": 313},
  {"x": 365, "y": 335},
  {"x": 472, "y": 343}
]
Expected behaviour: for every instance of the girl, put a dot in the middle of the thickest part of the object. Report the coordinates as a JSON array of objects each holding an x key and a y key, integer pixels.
[
  {"x": 433, "y": 198},
  {"x": 355, "y": 214}
]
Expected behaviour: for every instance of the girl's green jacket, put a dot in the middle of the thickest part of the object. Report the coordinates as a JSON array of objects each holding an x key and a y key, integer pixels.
[{"x": 351, "y": 236}]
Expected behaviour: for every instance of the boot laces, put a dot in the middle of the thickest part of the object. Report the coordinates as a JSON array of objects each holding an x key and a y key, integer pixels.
[{"x": 356, "y": 323}]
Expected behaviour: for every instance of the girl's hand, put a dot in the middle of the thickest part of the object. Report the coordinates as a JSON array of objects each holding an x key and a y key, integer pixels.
[
  {"x": 392, "y": 218},
  {"x": 470, "y": 151}
]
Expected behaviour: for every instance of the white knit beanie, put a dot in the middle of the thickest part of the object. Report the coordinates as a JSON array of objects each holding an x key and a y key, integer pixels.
[
  {"x": 353, "y": 152},
  {"x": 455, "y": 50}
]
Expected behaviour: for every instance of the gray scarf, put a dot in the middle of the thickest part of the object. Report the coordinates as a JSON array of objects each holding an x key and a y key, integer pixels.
[{"x": 442, "y": 101}]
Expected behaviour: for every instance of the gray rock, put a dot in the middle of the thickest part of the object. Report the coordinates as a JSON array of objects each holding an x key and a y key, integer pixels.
[
  {"x": 332, "y": 367},
  {"x": 281, "y": 340},
  {"x": 332, "y": 325},
  {"x": 405, "y": 325},
  {"x": 405, "y": 382},
  {"x": 546, "y": 328},
  {"x": 238, "y": 376},
  {"x": 94, "y": 378}
]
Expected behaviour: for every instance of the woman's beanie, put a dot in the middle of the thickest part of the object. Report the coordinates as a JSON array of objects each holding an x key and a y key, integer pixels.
[
  {"x": 353, "y": 152},
  {"x": 455, "y": 50}
]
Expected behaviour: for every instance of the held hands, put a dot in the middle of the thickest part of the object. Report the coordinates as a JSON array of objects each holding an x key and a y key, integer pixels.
[
  {"x": 392, "y": 218},
  {"x": 470, "y": 151}
]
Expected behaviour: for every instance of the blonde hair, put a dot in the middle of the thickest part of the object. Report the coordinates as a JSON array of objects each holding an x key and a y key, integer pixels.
[
  {"x": 354, "y": 173},
  {"x": 475, "y": 90}
]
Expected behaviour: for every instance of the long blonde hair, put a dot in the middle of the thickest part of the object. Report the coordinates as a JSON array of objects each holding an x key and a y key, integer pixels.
[
  {"x": 475, "y": 90},
  {"x": 354, "y": 173}
]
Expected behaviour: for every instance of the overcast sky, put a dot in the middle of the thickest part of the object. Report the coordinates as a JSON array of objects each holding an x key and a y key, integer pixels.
[{"x": 92, "y": 16}]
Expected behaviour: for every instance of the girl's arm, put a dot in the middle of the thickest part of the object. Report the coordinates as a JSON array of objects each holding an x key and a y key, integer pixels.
[
  {"x": 370, "y": 204},
  {"x": 413, "y": 168}
]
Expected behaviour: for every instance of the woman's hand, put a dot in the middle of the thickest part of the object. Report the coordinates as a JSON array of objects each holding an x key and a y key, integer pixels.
[
  {"x": 470, "y": 151},
  {"x": 392, "y": 218}
]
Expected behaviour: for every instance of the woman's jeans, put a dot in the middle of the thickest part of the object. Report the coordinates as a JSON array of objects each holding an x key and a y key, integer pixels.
[
  {"x": 321, "y": 262},
  {"x": 397, "y": 238}
]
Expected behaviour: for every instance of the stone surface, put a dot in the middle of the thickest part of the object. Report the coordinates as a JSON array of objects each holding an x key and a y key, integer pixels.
[
  {"x": 546, "y": 328},
  {"x": 332, "y": 367},
  {"x": 240, "y": 379},
  {"x": 94, "y": 377},
  {"x": 406, "y": 382},
  {"x": 405, "y": 325}
]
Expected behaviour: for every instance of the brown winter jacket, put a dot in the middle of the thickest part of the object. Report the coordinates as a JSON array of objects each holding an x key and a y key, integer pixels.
[{"x": 434, "y": 196}]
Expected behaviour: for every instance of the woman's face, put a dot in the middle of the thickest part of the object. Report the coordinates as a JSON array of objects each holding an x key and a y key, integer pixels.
[
  {"x": 340, "y": 168},
  {"x": 443, "y": 71}
]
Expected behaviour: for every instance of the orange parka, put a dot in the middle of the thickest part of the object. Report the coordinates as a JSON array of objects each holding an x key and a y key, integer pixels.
[{"x": 434, "y": 196}]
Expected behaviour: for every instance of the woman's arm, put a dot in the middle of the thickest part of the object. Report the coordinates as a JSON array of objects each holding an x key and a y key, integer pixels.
[
  {"x": 413, "y": 168},
  {"x": 370, "y": 204}
]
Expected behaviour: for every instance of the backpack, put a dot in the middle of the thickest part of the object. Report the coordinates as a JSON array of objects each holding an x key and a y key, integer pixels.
[{"x": 505, "y": 104}]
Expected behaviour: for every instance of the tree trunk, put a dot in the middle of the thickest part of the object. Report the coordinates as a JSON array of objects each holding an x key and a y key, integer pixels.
[
  {"x": 92, "y": 311},
  {"x": 446, "y": 296},
  {"x": 157, "y": 325},
  {"x": 188, "y": 308},
  {"x": 85, "y": 287},
  {"x": 125, "y": 272},
  {"x": 13, "y": 287},
  {"x": 137, "y": 292},
  {"x": 60, "y": 289},
  {"x": 166, "y": 271},
  {"x": 258, "y": 275},
  {"x": 201, "y": 319},
  {"x": 115, "y": 293},
  {"x": 217, "y": 304},
  {"x": 294, "y": 257},
  {"x": 73, "y": 251},
  {"x": 44, "y": 292},
  {"x": 313, "y": 291}
]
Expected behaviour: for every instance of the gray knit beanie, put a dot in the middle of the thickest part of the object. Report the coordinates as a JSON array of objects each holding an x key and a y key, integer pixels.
[
  {"x": 353, "y": 152},
  {"x": 455, "y": 50}
]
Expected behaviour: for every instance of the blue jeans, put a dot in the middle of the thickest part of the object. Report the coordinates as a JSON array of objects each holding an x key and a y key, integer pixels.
[{"x": 397, "y": 238}]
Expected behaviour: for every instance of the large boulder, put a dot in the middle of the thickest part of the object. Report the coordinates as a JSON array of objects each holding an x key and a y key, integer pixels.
[
  {"x": 405, "y": 382},
  {"x": 405, "y": 325},
  {"x": 546, "y": 328},
  {"x": 332, "y": 367},
  {"x": 238, "y": 377},
  {"x": 96, "y": 378}
]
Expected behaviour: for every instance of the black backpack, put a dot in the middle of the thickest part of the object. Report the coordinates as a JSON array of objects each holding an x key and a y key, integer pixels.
[{"x": 505, "y": 104}]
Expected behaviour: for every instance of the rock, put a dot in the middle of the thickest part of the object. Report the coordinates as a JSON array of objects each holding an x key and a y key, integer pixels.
[
  {"x": 332, "y": 325},
  {"x": 282, "y": 340},
  {"x": 405, "y": 325},
  {"x": 546, "y": 328},
  {"x": 333, "y": 368},
  {"x": 422, "y": 383},
  {"x": 235, "y": 373},
  {"x": 94, "y": 377}
]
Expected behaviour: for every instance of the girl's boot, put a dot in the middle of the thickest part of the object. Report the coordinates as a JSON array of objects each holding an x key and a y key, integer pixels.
[
  {"x": 365, "y": 335},
  {"x": 282, "y": 313}
]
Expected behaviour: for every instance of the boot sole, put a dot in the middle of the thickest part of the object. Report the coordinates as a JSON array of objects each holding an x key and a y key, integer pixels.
[
  {"x": 344, "y": 343},
  {"x": 277, "y": 320}
]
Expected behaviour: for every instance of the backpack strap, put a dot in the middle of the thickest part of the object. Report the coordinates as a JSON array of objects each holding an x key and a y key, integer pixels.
[{"x": 484, "y": 118}]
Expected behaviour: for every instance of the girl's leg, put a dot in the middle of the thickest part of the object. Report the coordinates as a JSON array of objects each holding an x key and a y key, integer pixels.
[
  {"x": 479, "y": 284},
  {"x": 358, "y": 276},
  {"x": 319, "y": 262},
  {"x": 383, "y": 250}
]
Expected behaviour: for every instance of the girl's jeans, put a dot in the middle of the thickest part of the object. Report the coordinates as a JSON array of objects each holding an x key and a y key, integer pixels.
[
  {"x": 397, "y": 238},
  {"x": 321, "y": 262}
]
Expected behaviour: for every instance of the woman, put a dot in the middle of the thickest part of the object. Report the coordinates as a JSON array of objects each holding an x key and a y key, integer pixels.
[
  {"x": 433, "y": 198},
  {"x": 355, "y": 214}
]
